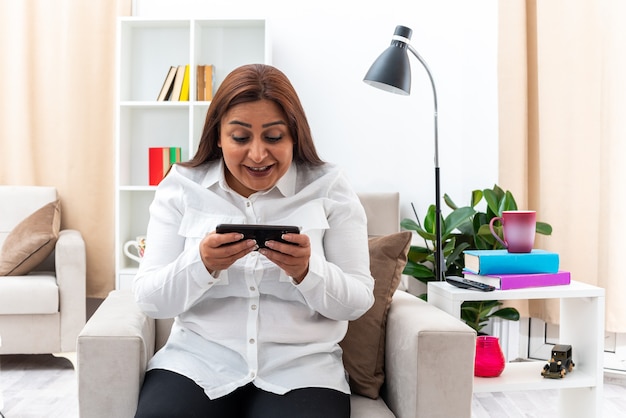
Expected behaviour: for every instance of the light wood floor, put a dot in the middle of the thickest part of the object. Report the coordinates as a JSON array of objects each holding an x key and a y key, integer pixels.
[{"x": 43, "y": 386}]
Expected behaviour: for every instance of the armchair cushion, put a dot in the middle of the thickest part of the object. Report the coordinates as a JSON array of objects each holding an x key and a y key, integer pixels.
[
  {"x": 31, "y": 241},
  {"x": 364, "y": 343}
]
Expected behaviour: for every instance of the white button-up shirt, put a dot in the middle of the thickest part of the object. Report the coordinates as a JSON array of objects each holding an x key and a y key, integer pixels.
[{"x": 253, "y": 323}]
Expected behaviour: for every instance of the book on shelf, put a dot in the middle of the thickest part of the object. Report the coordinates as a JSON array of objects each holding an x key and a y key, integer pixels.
[
  {"x": 178, "y": 83},
  {"x": 160, "y": 159},
  {"x": 184, "y": 89},
  {"x": 520, "y": 281},
  {"x": 204, "y": 83},
  {"x": 200, "y": 83},
  {"x": 166, "y": 89},
  {"x": 504, "y": 262}
]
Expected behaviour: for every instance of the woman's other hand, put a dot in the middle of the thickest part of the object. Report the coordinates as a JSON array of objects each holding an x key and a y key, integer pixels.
[
  {"x": 293, "y": 259},
  {"x": 220, "y": 251}
]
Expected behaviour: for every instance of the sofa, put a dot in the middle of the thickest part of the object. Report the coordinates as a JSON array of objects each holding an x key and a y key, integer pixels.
[
  {"x": 42, "y": 274},
  {"x": 422, "y": 367}
]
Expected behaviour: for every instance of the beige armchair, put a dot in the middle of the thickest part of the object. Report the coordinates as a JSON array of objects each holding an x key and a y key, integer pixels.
[
  {"x": 42, "y": 308},
  {"x": 429, "y": 355}
]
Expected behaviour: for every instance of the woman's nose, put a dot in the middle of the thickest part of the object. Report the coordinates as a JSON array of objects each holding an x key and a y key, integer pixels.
[{"x": 257, "y": 151}]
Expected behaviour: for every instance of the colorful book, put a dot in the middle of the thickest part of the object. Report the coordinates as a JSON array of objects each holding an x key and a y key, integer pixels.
[
  {"x": 178, "y": 83},
  {"x": 209, "y": 70},
  {"x": 160, "y": 161},
  {"x": 204, "y": 83},
  {"x": 184, "y": 90},
  {"x": 521, "y": 281},
  {"x": 504, "y": 262},
  {"x": 200, "y": 83},
  {"x": 166, "y": 89}
]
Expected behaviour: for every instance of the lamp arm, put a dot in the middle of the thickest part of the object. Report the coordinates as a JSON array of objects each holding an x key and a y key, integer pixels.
[
  {"x": 432, "y": 83},
  {"x": 439, "y": 257}
]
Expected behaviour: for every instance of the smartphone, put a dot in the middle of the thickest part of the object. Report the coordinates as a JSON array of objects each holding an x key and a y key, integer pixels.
[{"x": 259, "y": 233}]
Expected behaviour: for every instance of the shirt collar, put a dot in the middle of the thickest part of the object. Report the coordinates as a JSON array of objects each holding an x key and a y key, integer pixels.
[{"x": 286, "y": 185}]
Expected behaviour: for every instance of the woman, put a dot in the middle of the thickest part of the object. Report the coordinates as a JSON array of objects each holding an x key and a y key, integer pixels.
[{"x": 257, "y": 329}]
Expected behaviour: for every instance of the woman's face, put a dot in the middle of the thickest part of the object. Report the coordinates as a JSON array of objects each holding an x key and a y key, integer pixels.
[{"x": 257, "y": 146}]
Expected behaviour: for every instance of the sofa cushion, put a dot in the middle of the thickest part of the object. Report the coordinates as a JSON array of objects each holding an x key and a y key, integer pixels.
[
  {"x": 364, "y": 343},
  {"x": 363, "y": 407},
  {"x": 37, "y": 295},
  {"x": 31, "y": 241}
]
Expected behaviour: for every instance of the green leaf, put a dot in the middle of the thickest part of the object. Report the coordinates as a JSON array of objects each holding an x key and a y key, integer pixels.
[
  {"x": 418, "y": 254},
  {"x": 543, "y": 228},
  {"x": 428, "y": 236},
  {"x": 493, "y": 203},
  {"x": 499, "y": 192},
  {"x": 469, "y": 313},
  {"x": 429, "y": 220},
  {"x": 485, "y": 311},
  {"x": 416, "y": 250},
  {"x": 449, "y": 201},
  {"x": 449, "y": 245},
  {"x": 507, "y": 313},
  {"x": 456, "y": 218},
  {"x": 508, "y": 203},
  {"x": 419, "y": 271},
  {"x": 466, "y": 230},
  {"x": 457, "y": 254},
  {"x": 477, "y": 196},
  {"x": 409, "y": 224}
]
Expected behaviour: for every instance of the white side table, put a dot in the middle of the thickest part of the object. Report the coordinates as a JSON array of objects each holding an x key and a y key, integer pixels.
[{"x": 582, "y": 326}]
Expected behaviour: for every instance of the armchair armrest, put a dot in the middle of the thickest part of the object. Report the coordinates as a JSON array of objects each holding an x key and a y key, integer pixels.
[
  {"x": 429, "y": 361},
  {"x": 71, "y": 274},
  {"x": 113, "y": 350}
]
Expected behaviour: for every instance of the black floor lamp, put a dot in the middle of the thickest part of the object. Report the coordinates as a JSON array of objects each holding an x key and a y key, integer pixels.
[{"x": 392, "y": 72}]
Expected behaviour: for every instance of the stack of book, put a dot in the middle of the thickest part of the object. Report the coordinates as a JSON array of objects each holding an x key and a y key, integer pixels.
[
  {"x": 160, "y": 160},
  {"x": 176, "y": 84},
  {"x": 505, "y": 270}
]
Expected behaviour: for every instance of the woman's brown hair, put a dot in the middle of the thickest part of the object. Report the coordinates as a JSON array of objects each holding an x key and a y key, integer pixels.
[{"x": 250, "y": 83}]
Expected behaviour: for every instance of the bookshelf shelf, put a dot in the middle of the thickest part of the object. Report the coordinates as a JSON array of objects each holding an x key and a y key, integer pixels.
[
  {"x": 582, "y": 326},
  {"x": 146, "y": 49}
]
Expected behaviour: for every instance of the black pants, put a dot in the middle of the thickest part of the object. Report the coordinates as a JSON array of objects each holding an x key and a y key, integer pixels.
[{"x": 170, "y": 395}]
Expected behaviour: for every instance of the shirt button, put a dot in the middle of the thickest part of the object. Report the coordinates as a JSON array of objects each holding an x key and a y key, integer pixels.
[
  {"x": 252, "y": 288},
  {"x": 252, "y": 374},
  {"x": 251, "y": 341},
  {"x": 248, "y": 204},
  {"x": 253, "y": 307}
]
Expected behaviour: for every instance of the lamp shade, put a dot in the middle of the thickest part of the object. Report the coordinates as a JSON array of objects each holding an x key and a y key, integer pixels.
[{"x": 392, "y": 70}]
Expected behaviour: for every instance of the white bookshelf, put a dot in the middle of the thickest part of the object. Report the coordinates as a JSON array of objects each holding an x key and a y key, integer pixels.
[
  {"x": 146, "y": 50},
  {"x": 582, "y": 327}
]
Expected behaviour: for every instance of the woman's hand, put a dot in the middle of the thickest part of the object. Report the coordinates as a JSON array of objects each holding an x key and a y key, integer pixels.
[
  {"x": 220, "y": 251},
  {"x": 293, "y": 259}
]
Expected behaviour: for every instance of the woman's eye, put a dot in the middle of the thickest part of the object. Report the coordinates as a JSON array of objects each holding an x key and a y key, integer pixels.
[
  {"x": 239, "y": 138},
  {"x": 276, "y": 138}
]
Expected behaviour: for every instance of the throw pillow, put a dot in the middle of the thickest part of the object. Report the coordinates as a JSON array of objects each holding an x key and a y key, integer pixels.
[
  {"x": 364, "y": 343},
  {"x": 31, "y": 241}
]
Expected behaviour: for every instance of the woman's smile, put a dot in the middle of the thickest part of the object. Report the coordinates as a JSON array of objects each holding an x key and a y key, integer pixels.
[{"x": 260, "y": 171}]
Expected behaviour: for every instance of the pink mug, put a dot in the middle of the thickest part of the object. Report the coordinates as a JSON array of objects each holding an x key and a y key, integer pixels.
[{"x": 518, "y": 227}]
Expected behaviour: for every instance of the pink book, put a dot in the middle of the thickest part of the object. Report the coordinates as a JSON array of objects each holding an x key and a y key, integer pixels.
[{"x": 521, "y": 281}]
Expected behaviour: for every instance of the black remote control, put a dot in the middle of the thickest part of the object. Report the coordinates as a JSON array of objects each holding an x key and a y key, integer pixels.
[{"x": 464, "y": 283}]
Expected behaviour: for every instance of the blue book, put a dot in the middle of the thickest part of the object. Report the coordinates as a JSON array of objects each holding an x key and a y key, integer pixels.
[{"x": 504, "y": 262}]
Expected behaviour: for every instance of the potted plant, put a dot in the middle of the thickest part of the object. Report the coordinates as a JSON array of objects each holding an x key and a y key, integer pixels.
[{"x": 465, "y": 227}]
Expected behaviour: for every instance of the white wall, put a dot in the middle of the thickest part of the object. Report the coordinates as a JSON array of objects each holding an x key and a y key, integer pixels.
[{"x": 384, "y": 141}]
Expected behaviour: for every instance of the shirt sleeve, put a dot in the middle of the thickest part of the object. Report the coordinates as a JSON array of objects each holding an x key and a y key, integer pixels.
[
  {"x": 339, "y": 284},
  {"x": 171, "y": 277}
]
